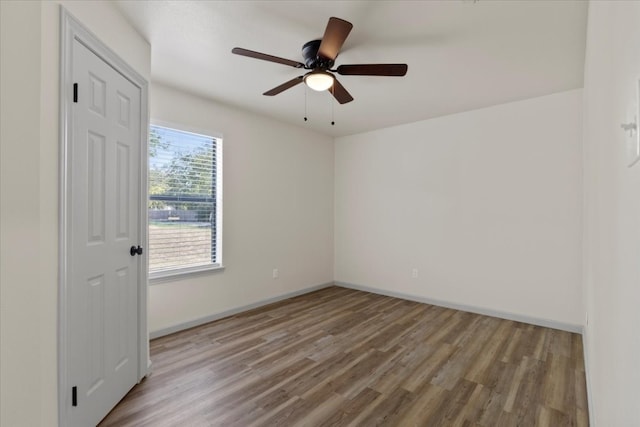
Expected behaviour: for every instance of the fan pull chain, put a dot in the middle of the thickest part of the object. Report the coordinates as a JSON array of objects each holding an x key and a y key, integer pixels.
[
  {"x": 333, "y": 92},
  {"x": 305, "y": 103}
]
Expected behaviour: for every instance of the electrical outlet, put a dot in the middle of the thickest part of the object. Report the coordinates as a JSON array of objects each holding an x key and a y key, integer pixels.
[
  {"x": 276, "y": 273},
  {"x": 414, "y": 273}
]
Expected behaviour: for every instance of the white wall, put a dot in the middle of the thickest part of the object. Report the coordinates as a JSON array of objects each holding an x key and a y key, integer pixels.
[
  {"x": 277, "y": 210},
  {"x": 485, "y": 204},
  {"x": 29, "y": 194},
  {"x": 20, "y": 321},
  {"x": 612, "y": 214}
]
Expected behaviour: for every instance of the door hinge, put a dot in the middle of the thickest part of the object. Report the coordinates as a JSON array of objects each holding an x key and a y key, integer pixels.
[
  {"x": 74, "y": 396},
  {"x": 75, "y": 92}
]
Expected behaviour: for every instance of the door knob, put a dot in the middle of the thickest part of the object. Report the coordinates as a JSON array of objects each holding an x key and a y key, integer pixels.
[{"x": 135, "y": 250}]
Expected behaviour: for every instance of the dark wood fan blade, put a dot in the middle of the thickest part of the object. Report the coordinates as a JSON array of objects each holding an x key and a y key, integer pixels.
[
  {"x": 373, "y": 70},
  {"x": 265, "y": 57},
  {"x": 284, "y": 86},
  {"x": 340, "y": 93},
  {"x": 334, "y": 36}
]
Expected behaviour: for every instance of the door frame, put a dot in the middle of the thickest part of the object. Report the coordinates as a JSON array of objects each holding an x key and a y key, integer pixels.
[{"x": 71, "y": 29}]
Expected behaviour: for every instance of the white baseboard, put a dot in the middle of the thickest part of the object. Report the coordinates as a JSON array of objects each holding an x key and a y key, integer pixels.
[
  {"x": 217, "y": 316},
  {"x": 472, "y": 309}
]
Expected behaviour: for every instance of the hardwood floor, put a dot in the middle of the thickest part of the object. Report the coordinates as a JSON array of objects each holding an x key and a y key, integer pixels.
[{"x": 343, "y": 357}]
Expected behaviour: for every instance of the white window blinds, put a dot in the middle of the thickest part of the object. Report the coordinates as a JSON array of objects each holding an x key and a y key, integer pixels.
[{"x": 183, "y": 202}]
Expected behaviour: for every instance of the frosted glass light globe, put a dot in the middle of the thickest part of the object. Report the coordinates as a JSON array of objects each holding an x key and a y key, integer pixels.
[{"x": 319, "y": 80}]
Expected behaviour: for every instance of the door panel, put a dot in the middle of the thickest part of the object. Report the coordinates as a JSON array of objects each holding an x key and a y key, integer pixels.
[
  {"x": 104, "y": 215},
  {"x": 123, "y": 181}
]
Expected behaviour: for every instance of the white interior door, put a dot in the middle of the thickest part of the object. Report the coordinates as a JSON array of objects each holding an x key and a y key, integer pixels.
[{"x": 104, "y": 211}]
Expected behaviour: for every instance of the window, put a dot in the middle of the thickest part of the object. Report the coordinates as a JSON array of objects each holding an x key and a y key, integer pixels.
[{"x": 184, "y": 202}]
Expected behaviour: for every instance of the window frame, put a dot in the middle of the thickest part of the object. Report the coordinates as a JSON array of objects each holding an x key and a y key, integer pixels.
[{"x": 183, "y": 272}]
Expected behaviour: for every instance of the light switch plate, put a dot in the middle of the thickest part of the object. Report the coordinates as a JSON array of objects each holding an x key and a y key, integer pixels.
[
  {"x": 633, "y": 147},
  {"x": 633, "y": 142}
]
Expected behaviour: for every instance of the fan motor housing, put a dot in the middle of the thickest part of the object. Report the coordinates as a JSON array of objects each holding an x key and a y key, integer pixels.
[{"x": 311, "y": 58}]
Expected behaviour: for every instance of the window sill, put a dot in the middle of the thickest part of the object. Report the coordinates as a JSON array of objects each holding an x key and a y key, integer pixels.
[{"x": 182, "y": 273}]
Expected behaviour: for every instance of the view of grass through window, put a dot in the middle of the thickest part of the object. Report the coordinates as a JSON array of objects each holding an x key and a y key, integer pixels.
[{"x": 182, "y": 200}]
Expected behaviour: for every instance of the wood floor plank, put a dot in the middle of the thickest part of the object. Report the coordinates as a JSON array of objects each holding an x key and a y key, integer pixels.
[{"x": 339, "y": 357}]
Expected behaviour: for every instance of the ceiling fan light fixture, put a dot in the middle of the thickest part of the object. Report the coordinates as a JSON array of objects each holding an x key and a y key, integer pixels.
[
  {"x": 319, "y": 56},
  {"x": 319, "y": 80}
]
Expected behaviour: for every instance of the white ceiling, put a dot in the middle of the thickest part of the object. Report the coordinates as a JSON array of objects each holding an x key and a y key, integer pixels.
[{"x": 462, "y": 55}]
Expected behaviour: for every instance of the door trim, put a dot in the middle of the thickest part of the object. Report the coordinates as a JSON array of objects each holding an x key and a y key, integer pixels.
[{"x": 71, "y": 29}]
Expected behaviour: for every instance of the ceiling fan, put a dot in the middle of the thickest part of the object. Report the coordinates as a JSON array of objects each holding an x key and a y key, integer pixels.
[{"x": 319, "y": 56}]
